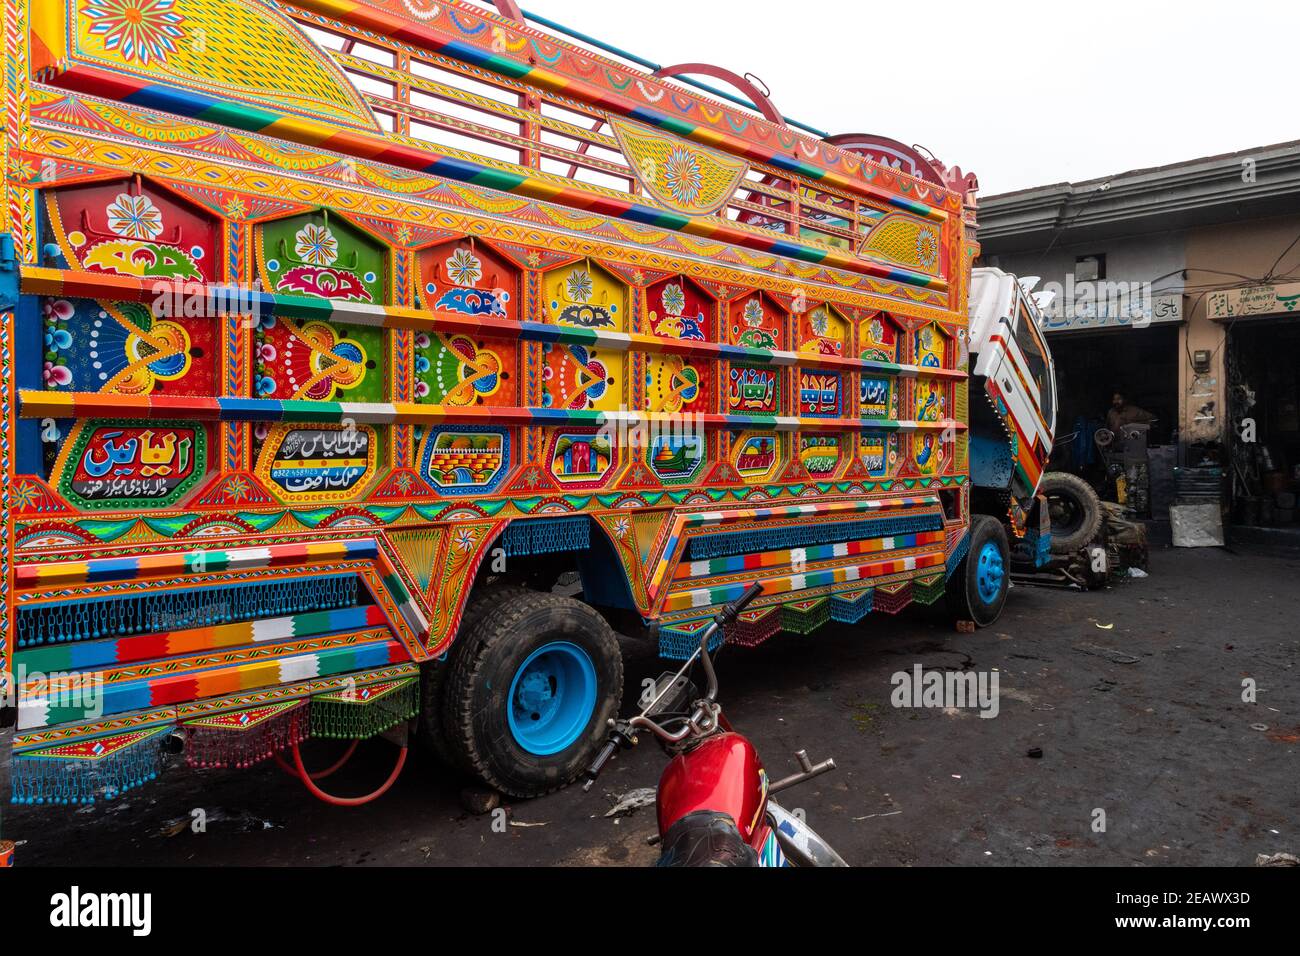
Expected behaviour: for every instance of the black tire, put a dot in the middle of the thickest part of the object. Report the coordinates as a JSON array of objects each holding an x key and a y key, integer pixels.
[
  {"x": 966, "y": 600},
  {"x": 433, "y": 678},
  {"x": 1075, "y": 511},
  {"x": 476, "y": 697}
]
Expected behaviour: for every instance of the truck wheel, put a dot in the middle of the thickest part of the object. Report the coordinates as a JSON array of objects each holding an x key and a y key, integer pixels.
[
  {"x": 977, "y": 590},
  {"x": 1074, "y": 508},
  {"x": 529, "y": 694},
  {"x": 433, "y": 677},
  {"x": 433, "y": 680}
]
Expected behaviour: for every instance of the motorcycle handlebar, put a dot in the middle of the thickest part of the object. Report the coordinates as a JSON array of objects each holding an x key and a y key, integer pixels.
[
  {"x": 733, "y": 610},
  {"x": 620, "y": 735},
  {"x": 598, "y": 764}
]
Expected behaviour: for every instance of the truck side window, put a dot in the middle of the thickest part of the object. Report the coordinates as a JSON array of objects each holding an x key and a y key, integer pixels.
[{"x": 1027, "y": 339}]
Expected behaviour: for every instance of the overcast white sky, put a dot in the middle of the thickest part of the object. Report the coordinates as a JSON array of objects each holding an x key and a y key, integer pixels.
[{"x": 1021, "y": 93}]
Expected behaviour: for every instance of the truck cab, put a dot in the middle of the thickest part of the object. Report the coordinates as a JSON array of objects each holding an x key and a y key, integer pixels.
[{"x": 1011, "y": 429}]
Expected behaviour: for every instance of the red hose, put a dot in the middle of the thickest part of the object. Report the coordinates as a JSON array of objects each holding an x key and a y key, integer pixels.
[
  {"x": 332, "y": 800},
  {"x": 320, "y": 774}
]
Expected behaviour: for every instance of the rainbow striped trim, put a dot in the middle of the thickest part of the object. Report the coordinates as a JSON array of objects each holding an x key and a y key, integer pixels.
[
  {"x": 38, "y": 280},
  {"x": 103, "y": 570},
  {"x": 707, "y": 519},
  {"x": 144, "y": 647},
  {"x": 43, "y": 404},
  {"x": 786, "y": 557},
  {"x": 56, "y": 708},
  {"x": 785, "y": 584},
  {"x": 159, "y": 716}
]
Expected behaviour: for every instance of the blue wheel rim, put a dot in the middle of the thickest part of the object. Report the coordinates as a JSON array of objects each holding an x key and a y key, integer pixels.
[
  {"x": 989, "y": 572},
  {"x": 552, "y": 698}
]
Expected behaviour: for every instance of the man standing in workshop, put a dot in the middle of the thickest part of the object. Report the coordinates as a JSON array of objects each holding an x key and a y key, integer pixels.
[{"x": 1122, "y": 413}]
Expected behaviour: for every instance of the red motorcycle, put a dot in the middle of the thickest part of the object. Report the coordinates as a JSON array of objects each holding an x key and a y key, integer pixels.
[{"x": 714, "y": 801}]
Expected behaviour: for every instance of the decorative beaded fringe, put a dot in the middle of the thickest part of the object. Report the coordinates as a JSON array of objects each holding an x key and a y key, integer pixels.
[
  {"x": 677, "y": 642},
  {"x": 929, "y": 591},
  {"x": 364, "y": 712},
  {"x": 752, "y": 628},
  {"x": 141, "y": 613},
  {"x": 81, "y": 772},
  {"x": 548, "y": 536},
  {"x": 245, "y": 738},
  {"x": 892, "y": 598},
  {"x": 957, "y": 555},
  {"x": 804, "y": 617},
  {"x": 851, "y": 607}
]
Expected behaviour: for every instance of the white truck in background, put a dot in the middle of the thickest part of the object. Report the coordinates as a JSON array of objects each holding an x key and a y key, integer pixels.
[{"x": 1052, "y": 515}]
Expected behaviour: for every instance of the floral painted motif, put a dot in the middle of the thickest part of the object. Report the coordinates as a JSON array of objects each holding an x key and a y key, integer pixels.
[
  {"x": 753, "y": 313},
  {"x": 27, "y": 495},
  {"x": 674, "y": 299},
  {"x": 58, "y": 339},
  {"x": 464, "y": 540},
  {"x": 237, "y": 489},
  {"x": 316, "y": 245},
  {"x": 682, "y": 176},
  {"x": 144, "y": 30},
  {"x": 134, "y": 217},
  {"x": 464, "y": 267}
]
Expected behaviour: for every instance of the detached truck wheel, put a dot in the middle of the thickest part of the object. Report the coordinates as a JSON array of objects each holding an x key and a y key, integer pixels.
[
  {"x": 1074, "y": 508},
  {"x": 977, "y": 590},
  {"x": 529, "y": 693}
]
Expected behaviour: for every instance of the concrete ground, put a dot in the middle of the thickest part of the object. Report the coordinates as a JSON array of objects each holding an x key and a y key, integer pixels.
[{"x": 1132, "y": 694}]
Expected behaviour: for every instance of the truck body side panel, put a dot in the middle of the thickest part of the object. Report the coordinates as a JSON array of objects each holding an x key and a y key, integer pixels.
[{"x": 319, "y": 310}]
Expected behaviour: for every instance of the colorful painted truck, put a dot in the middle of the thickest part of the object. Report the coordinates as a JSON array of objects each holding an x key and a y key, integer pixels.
[{"x": 337, "y": 331}]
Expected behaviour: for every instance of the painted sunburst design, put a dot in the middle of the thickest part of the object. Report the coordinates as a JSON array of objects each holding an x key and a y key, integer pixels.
[
  {"x": 134, "y": 217},
  {"x": 927, "y": 249},
  {"x": 144, "y": 30},
  {"x": 682, "y": 176},
  {"x": 26, "y": 495},
  {"x": 316, "y": 245},
  {"x": 579, "y": 286},
  {"x": 237, "y": 489}
]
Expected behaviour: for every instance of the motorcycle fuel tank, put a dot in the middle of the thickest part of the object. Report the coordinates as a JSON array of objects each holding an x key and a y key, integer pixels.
[{"x": 722, "y": 774}]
